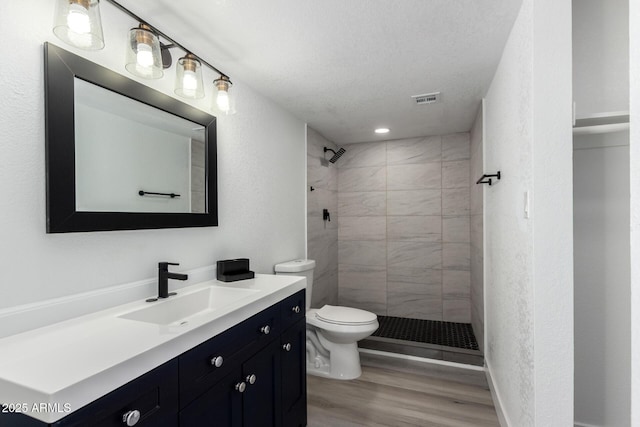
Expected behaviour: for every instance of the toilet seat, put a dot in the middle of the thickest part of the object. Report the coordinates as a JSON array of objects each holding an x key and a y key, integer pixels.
[{"x": 339, "y": 315}]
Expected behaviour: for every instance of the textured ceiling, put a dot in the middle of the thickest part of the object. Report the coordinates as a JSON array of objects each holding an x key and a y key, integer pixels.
[{"x": 348, "y": 66}]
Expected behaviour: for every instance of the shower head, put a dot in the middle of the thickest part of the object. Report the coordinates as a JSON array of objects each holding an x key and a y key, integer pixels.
[{"x": 336, "y": 155}]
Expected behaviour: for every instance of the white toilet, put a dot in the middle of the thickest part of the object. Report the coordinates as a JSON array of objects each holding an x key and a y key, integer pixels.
[{"x": 332, "y": 331}]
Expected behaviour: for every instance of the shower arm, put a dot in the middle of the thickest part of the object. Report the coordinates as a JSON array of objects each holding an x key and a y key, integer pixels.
[{"x": 329, "y": 149}]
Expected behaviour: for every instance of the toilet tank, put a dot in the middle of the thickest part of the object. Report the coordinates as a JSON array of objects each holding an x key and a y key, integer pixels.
[{"x": 299, "y": 267}]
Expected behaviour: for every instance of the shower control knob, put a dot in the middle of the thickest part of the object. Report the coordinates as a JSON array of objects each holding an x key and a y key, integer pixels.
[
  {"x": 217, "y": 361},
  {"x": 287, "y": 347},
  {"x": 131, "y": 418},
  {"x": 265, "y": 329},
  {"x": 241, "y": 387},
  {"x": 296, "y": 309},
  {"x": 251, "y": 379}
]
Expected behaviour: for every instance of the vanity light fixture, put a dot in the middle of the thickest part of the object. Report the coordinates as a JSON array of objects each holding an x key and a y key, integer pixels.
[
  {"x": 77, "y": 22},
  {"x": 189, "y": 77},
  {"x": 143, "y": 53},
  {"x": 223, "y": 101},
  {"x": 382, "y": 130}
]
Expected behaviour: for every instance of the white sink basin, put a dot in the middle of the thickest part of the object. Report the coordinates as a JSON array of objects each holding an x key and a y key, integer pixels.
[{"x": 178, "y": 309}]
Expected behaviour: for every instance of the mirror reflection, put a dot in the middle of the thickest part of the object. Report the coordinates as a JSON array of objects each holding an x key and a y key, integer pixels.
[{"x": 131, "y": 157}]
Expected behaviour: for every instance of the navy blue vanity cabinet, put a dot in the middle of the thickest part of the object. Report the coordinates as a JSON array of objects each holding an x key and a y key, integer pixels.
[
  {"x": 253, "y": 374},
  {"x": 152, "y": 399},
  {"x": 294, "y": 375}
]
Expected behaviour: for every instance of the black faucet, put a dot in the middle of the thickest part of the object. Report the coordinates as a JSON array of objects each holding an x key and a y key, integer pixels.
[{"x": 163, "y": 280}]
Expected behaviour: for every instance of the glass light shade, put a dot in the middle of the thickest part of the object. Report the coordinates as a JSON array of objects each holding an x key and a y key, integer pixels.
[
  {"x": 78, "y": 23},
  {"x": 143, "y": 53},
  {"x": 189, "y": 77},
  {"x": 223, "y": 96}
]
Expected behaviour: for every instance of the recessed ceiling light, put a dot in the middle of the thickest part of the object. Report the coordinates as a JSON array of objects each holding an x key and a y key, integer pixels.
[{"x": 382, "y": 130}]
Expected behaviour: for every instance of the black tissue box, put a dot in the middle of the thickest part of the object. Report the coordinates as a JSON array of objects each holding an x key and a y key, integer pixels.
[{"x": 231, "y": 270}]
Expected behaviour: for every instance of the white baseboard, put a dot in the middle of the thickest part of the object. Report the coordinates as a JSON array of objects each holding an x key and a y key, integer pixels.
[
  {"x": 495, "y": 394},
  {"x": 14, "y": 320}
]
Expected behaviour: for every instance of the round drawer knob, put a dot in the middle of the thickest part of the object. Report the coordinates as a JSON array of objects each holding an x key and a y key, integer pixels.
[
  {"x": 296, "y": 309},
  {"x": 251, "y": 379},
  {"x": 287, "y": 347},
  {"x": 241, "y": 387},
  {"x": 217, "y": 361},
  {"x": 265, "y": 329},
  {"x": 131, "y": 418}
]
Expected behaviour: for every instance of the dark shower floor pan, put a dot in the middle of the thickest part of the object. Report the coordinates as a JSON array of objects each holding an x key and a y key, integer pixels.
[{"x": 454, "y": 342}]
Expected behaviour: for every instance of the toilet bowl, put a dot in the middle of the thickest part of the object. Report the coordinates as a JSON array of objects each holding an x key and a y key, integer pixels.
[{"x": 333, "y": 332}]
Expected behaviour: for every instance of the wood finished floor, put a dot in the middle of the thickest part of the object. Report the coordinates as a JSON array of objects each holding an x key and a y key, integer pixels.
[{"x": 399, "y": 398}]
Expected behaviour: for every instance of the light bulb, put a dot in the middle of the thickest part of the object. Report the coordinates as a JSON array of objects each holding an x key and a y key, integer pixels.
[
  {"x": 78, "y": 19},
  {"x": 189, "y": 82},
  {"x": 223, "y": 100},
  {"x": 144, "y": 55}
]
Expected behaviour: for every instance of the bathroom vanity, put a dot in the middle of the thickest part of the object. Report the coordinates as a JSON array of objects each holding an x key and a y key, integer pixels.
[{"x": 190, "y": 361}]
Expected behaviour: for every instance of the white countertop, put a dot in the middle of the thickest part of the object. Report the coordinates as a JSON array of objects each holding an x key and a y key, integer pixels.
[{"x": 77, "y": 361}]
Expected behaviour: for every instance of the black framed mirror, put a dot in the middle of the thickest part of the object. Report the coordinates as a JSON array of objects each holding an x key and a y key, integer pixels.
[{"x": 123, "y": 156}]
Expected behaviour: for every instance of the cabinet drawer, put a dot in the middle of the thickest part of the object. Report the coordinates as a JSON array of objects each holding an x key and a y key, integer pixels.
[
  {"x": 198, "y": 369},
  {"x": 154, "y": 395},
  {"x": 293, "y": 309}
]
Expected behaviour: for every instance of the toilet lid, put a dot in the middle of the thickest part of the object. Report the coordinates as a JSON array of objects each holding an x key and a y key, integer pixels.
[{"x": 345, "y": 315}]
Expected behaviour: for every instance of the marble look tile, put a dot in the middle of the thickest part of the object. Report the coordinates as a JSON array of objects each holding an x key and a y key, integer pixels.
[
  {"x": 414, "y": 202},
  {"x": 362, "y": 179},
  {"x": 198, "y": 201},
  {"x": 432, "y": 289},
  {"x": 414, "y": 307},
  {"x": 321, "y": 176},
  {"x": 363, "y": 154},
  {"x": 356, "y": 252},
  {"x": 197, "y": 153},
  {"x": 325, "y": 289},
  {"x": 455, "y": 146},
  {"x": 414, "y": 228},
  {"x": 324, "y": 250},
  {"x": 414, "y": 254},
  {"x": 456, "y": 310},
  {"x": 456, "y": 284},
  {"x": 456, "y": 256},
  {"x": 420, "y": 276},
  {"x": 197, "y": 179},
  {"x": 373, "y": 203},
  {"x": 455, "y": 229},
  {"x": 362, "y": 228},
  {"x": 414, "y": 150},
  {"x": 414, "y": 177},
  {"x": 455, "y": 174},
  {"x": 455, "y": 202},
  {"x": 363, "y": 287},
  {"x": 317, "y": 201}
]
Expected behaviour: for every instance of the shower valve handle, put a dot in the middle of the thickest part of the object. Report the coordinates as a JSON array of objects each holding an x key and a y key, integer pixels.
[{"x": 326, "y": 216}]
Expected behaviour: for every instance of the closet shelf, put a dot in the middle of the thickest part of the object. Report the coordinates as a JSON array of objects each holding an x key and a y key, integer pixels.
[{"x": 602, "y": 123}]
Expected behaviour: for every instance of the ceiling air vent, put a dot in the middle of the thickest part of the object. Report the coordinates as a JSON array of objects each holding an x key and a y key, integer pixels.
[{"x": 427, "y": 98}]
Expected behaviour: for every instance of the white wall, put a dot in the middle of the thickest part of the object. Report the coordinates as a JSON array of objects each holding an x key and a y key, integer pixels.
[
  {"x": 634, "y": 160},
  {"x": 261, "y": 172},
  {"x": 601, "y": 245},
  {"x": 600, "y": 56},
  {"x": 529, "y": 283}
]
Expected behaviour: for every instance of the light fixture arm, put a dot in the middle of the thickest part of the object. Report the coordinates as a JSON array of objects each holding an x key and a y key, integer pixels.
[{"x": 172, "y": 44}]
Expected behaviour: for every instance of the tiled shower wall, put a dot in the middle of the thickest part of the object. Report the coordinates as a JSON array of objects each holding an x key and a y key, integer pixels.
[
  {"x": 403, "y": 227},
  {"x": 322, "y": 236}
]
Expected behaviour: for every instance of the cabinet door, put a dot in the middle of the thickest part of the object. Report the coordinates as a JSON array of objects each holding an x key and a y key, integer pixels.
[
  {"x": 153, "y": 397},
  {"x": 220, "y": 406},
  {"x": 261, "y": 401},
  {"x": 294, "y": 375}
]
